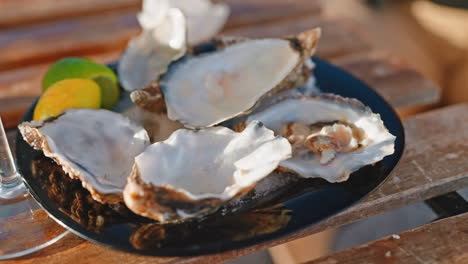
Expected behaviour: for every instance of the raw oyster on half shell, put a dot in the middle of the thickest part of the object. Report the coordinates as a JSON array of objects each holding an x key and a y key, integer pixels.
[
  {"x": 194, "y": 172},
  {"x": 331, "y": 136},
  {"x": 228, "y": 77},
  {"x": 97, "y": 147}
]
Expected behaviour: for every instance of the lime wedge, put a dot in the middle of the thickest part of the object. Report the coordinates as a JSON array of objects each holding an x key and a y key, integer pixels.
[
  {"x": 109, "y": 90},
  {"x": 70, "y": 68}
]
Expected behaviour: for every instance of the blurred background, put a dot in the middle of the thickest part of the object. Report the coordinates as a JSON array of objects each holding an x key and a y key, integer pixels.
[{"x": 428, "y": 36}]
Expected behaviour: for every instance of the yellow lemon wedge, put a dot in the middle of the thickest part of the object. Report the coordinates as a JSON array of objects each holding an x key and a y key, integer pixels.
[{"x": 66, "y": 94}]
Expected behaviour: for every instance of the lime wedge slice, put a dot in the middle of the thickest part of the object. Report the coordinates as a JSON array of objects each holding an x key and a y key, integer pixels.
[{"x": 70, "y": 68}]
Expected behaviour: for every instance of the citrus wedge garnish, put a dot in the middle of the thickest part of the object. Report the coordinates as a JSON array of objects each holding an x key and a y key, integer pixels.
[
  {"x": 70, "y": 68},
  {"x": 66, "y": 94}
]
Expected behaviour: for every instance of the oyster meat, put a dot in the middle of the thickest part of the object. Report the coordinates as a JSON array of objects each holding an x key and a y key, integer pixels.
[
  {"x": 194, "y": 172},
  {"x": 331, "y": 136},
  {"x": 97, "y": 147},
  {"x": 228, "y": 77}
]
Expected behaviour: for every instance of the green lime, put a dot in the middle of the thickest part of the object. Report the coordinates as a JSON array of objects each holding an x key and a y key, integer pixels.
[{"x": 69, "y": 68}]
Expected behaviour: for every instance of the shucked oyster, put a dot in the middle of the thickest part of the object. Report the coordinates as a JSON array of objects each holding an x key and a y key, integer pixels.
[
  {"x": 149, "y": 54},
  {"x": 331, "y": 136},
  {"x": 168, "y": 26},
  {"x": 213, "y": 85},
  {"x": 96, "y": 146},
  {"x": 204, "y": 18},
  {"x": 194, "y": 172}
]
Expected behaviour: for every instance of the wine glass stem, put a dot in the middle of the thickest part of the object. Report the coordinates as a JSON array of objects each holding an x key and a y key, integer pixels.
[{"x": 9, "y": 176}]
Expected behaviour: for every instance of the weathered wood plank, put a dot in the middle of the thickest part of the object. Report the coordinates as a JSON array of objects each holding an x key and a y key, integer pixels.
[
  {"x": 393, "y": 78},
  {"x": 340, "y": 37},
  {"x": 111, "y": 31},
  {"x": 13, "y": 109},
  {"x": 79, "y": 36},
  {"x": 250, "y": 12},
  {"x": 433, "y": 164},
  {"x": 21, "y": 12},
  {"x": 444, "y": 241},
  {"x": 244, "y": 12}
]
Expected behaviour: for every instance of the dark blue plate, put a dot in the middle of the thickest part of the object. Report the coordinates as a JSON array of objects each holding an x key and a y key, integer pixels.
[{"x": 298, "y": 206}]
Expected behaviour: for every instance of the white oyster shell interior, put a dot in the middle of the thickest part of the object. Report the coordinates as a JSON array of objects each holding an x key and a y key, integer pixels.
[
  {"x": 204, "y": 18},
  {"x": 207, "y": 89},
  {"x": 168, "y": 26},
  {"x": 96, "y": 146},
  {"x": 149, "y": 54},
  {"x": 213, "y": 163},
  {"x": 334, "y": 167}
]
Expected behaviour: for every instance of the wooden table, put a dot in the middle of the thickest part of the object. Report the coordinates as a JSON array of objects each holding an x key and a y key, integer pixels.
[{"x": 434, "y": 162}]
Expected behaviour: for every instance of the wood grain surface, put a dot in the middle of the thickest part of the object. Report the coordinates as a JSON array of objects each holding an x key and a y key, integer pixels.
[
  {"x": 340, "y": 36},
  {"x": 444, "y": 241},
  {"x": 47, "y": 42},
  {"x": 433, "y": 164},
  {"x": 393, "y": 78},
  {"x": 243, "y": 12},
  {"x": 23, "y": 12},
  {"x": 95, "y": 33}
]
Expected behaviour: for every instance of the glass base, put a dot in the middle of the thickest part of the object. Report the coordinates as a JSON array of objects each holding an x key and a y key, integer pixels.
[
  {"x": 13, "y": 190},
  {"x": 25, "y": 228}
]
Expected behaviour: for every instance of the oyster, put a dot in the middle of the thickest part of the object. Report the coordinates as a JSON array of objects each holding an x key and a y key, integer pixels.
[
  {"x": 149, "y": 54},
  {"x": 88, "y": 144},
  {"x": 193, "y": 172},
  {"x": 331, "y": 136},
  {"x": 168, "y": 26},
  {"x": 198, "y": 12},
  {"x": 228, "y": 78}
]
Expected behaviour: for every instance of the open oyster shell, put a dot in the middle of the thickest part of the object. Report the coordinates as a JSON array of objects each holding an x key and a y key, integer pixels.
[
  {"x": 168, "y": 27},
  {"x": 193, "y": 173},
  {"x": 149, "y": 54},
  {"x": 197, "y": 13},
  {"x": 205, "y": 18},
  {"x": 228, "y": 77},
  {"x": 331, "y": 136},
  {"x": 96, "y": 146}
]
